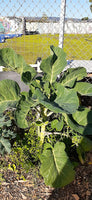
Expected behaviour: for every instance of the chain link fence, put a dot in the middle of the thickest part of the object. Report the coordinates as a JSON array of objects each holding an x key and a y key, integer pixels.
[
  {"x": 67, "y": 23},
  {"x": 33, "y": 19},
  {"x": 78, "y": 33}
]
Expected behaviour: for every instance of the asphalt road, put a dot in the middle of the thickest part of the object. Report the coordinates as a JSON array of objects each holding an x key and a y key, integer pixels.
[{"x": 16, "y": 77}]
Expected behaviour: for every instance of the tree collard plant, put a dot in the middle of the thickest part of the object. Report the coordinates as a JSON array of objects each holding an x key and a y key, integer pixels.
[{"x": 57, "y": 104}]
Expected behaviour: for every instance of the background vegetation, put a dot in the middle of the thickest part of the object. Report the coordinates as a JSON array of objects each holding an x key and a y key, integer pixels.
[{"x": 76, "y": 46}]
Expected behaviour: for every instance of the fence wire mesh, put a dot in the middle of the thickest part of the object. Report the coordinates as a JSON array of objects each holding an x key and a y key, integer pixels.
[
  {"x": 78, "y": 30},
  {"x": 40, "y": 23},
  {"x": 35, "y": 20}
]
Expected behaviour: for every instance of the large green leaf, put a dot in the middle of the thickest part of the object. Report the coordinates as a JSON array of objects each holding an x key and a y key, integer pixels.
[
  {"x": 16, "y": 62},
  {"x": 83, "y": 116},
  {"x": 88, "y": 129},
  {"x": 84, "y": 88},
  {"x": 22, "y": 111},
  {"x": 40, "y": 98},
  {"x": 84, "y": 130},
  {"x": 85, "y": 143},
  {"x": 25, "y": 105},
  {"x": 47, "y": 89},
  {"x": 73, "y": 75},
  {"x": 5, "y": 145},
  {"x": 8, "y": 58},
  {"x": 56, "y": 124},
  {"x": 67, "y": 99},
  {"x": 54, "y": 65},
  {"x": 9, "y": 94},
  {"x": 27, "y": 73},
  {"x": 73, "y": 124},
  {"x": 56, "y": 167}
]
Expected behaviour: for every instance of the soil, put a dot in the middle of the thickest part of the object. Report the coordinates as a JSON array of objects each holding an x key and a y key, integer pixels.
[{"x": 33, "y": 188}]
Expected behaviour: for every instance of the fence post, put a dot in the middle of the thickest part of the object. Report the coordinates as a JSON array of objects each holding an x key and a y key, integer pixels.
[
  {"x": 62, "y": 23},
  {"x": 24, "y": 25}
]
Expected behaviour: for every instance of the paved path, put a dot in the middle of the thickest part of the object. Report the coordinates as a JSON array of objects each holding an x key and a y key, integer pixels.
[
  {"x": 16, "y": 77},
  {"x": 72, "y": 64},
  {"x": 80, "y": 63}
]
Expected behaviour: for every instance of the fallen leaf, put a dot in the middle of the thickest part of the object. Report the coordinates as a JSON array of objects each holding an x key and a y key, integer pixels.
[
  {"x": 23, "y": 196},
  {"x": 90, "y": 163},
  {"x": 76, "y": 196}
]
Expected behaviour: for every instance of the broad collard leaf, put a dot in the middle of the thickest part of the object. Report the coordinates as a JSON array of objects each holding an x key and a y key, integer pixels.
[
  {"x": 47, "y": 89},
  {"x": 40, "y": 98},
  {"x": 5, "y": 145},
  {"x": 83, "y": 88},
  {"x": 73, "y": 124},
  {"x": 67, "y": 99},
  {"x": 8, "y": 58},
  {"x": 57, "y": 124},
  {"x": 56, "y": 167},
  {"x": 27, "y": 73},
  {"x": 16, "y": 62},
  {"x": 73, "y": 75},
  {"x": 88, "y": 129},
  {"x": 83, "y": 116},
  {"x": 22, "y": 111},
  {"x": 54, "y": 64},
  {"x": 9, "y": 94},
  {"x": 84, "y": 130},
  {"x": 85, "y": 143}
]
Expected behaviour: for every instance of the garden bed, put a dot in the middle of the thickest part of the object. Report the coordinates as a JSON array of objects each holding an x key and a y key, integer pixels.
[{"x": 33, "y": 188}]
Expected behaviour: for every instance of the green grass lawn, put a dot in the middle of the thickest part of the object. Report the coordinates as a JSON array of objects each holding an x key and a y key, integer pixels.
[
  {"x": 32, "y": 46},
  {"x": 78, "y": 46}
]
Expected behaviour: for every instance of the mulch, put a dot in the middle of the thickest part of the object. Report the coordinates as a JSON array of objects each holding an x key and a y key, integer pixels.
[{"x": 34, "y": 188}]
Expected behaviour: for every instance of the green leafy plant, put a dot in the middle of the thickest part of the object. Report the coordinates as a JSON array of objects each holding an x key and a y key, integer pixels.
[
  {"x": 57, "y": 104},
  {"x": 26, "y": 151},
  {"x": 6, "y": 134}
]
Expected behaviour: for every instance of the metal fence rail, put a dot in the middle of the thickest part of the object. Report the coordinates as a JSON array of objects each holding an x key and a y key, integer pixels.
[{"x": 67, "y": 23}]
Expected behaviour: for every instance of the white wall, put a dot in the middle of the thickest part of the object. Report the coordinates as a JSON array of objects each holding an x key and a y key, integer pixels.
[
  {"x": 16, "y": 26},
  {"x": 70, "y": 27},
  {"x": 78, "y": 27}
]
